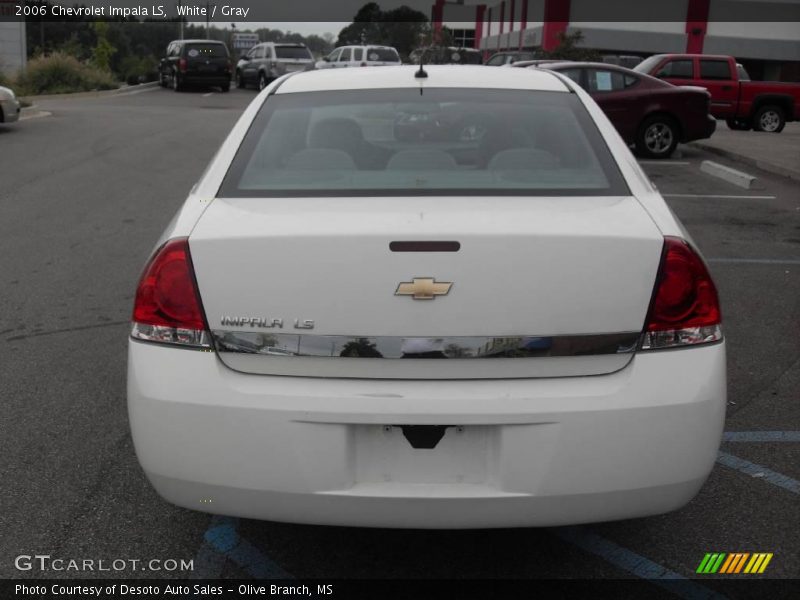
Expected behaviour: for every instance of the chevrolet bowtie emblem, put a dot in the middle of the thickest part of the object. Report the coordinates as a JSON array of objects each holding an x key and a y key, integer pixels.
[{"x": 423, "y": 288}]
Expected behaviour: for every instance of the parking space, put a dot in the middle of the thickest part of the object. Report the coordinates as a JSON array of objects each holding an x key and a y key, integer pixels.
[{"x": 85, "y": 196}]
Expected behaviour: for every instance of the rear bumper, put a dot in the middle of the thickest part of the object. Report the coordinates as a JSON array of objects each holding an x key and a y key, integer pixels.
[
  {"x": 10, "y": 111},
  {"x": 532, "y": 452},
  {"x": 700, "y": 129},
  {"x": 203, "y": 79}
]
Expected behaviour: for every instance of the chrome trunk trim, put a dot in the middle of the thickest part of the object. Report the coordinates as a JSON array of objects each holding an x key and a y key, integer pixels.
[{"x": 394, "y": 347}]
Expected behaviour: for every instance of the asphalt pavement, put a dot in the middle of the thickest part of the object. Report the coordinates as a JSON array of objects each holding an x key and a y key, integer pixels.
[{"x": 84, "y": 195}]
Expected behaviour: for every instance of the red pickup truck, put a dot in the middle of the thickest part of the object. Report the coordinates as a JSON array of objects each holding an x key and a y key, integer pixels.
[{"x": 744, "y": 104}]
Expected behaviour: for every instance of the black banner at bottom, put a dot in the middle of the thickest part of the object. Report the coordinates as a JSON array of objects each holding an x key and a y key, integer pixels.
[{"x": 382, "y": 589}]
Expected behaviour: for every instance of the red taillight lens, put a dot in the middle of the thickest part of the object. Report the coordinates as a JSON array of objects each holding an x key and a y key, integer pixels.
[
  {"x": 182, "y": 65},
  {"x": 685, "y": 307},
  {"x": 167, "y": 306}
]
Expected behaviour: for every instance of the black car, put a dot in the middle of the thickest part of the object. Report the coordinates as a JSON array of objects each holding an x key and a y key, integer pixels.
[{"x": 200, "y": 62}]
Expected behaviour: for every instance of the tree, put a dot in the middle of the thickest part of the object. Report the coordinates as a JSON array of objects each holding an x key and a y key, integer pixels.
[
  {"x": 568, "y": 49},
  {"x": 400, "y": 27},
  {"x": 103, "y": 50}
]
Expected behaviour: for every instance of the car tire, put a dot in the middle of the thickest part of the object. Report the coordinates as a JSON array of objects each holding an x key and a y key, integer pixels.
[
  {"x": 769, "y": 119},
  {"x": 657, "y": 137},
  {"x": 240, "y": 80},
  {"x": 161, "y": 81},
  {"x": 739, "y": 124},
  {"x": 175, "y": 80},
  {"x": 262, "y": 81},
  {"x": 226, "y": 87}
]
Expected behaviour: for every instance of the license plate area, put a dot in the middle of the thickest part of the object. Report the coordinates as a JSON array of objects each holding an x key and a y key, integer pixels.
[{"x": 384, "y": 454}]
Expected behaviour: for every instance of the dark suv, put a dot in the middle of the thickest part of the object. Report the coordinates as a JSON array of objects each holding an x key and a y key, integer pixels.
[{"x": 201, "y": 62}]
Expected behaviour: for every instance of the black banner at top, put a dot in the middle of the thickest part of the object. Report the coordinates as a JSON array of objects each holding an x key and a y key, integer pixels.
[{"x": 337, "y": 11}]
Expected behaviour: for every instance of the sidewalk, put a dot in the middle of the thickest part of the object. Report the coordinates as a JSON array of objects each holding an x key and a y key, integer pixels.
[{"x": 777, "y": 153}]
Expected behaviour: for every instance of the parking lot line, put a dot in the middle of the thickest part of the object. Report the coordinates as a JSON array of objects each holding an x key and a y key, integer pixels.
[
  {"x": 719, "y": 196},
  {"x": 208, "y": 94},
  {"x": 222, "y": 536},
  {"x": 756, "y": 261},
  {"x": 759, "y": 471},
  {"x": 761, "y": 436},
  {"x": 665, "y": 162},
  {"x": 634, "y": 563}
]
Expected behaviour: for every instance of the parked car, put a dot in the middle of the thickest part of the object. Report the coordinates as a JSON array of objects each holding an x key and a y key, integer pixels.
[
  {"x": 266, "y": 62},
  {"x": 447, "y": 55},
  {"x": 506, "y": 58},
  {"x": 360, "y": 56},
  {"x": 195, "y": 62},
  {"x": 481, "y": 331},
  {"x": 744, "y": 104},
  {"x": 9, "y": 106},
  {"x": 649, "y": 113}
]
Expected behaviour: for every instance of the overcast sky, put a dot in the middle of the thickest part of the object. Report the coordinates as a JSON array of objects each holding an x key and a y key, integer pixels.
[{"x": 303, "y": 28}]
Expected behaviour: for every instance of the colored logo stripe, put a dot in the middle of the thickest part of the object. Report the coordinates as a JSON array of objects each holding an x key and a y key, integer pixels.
[{"x": 720, "y": 562}]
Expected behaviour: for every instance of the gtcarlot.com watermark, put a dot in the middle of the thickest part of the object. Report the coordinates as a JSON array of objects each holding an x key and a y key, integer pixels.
[{"x": 48, "y": 563}]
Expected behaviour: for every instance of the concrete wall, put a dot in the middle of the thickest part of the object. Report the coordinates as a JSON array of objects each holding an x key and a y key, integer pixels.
[{"x": 12, "y": 46}]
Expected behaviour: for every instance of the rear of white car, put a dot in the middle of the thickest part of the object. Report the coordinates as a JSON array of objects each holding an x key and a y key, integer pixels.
[
  {"x": 9, "y": 106},
  {"x": 450, "y": 301}
]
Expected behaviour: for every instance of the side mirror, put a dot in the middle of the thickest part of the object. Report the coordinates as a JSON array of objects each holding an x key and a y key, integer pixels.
[
  {"x": 326, "y": 58},
  {"x": 662, "y": 73},
  {"x": 244, "y": 57}
]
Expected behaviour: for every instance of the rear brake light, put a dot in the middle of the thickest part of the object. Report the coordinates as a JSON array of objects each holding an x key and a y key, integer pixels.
[
  {"x": 685, "y": 309},
  {"x": 167, "y": 308},
  {"x": 182, "y": 65}
]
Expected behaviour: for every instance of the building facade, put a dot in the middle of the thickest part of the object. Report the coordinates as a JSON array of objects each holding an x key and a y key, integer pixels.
[
  {"x": 770, "y": 50},
  {"x": 13, "y": 51}
]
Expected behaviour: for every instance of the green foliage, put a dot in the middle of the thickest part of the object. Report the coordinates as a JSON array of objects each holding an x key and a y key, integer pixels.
[
  {"x": 103, "y": 50},
  {"x": 401, "y": 27},
  {"x": 134, "y": 69},
  {"x": 60, "y": 74},
  {"x": 569, "y": 49}
]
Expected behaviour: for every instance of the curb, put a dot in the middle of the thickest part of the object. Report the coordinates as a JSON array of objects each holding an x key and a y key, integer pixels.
[
  {"x": 733, "y": 176},
  {"x": 749, "y": 160},
  {"x": 92, "y": 94},
  {"x": 33, "y": 112}
]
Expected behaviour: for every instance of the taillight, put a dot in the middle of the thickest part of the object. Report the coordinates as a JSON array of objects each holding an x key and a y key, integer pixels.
[
  {"x": 182, "y": 65},
  {"x": 684, "y": 309},
  {"x": 167, "y": 308}
]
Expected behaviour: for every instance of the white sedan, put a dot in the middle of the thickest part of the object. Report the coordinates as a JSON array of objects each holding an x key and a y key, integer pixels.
[
  {"x": 449, "y": 301},
  {"x": 9, "y": 106}
]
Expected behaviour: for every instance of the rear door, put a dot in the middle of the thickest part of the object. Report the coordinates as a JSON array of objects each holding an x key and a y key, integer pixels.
[
  {"x": 717, "y": 77},
  {"x": 616, "y": 93}
]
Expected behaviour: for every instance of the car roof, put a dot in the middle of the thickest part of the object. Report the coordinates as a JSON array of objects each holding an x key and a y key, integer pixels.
[{"x": 439, "y": 76}]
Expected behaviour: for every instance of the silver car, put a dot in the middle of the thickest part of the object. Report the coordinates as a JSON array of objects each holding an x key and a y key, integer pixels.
[
  {"x": 266, "y": 62},
  {"x": 9, "y": 106}
]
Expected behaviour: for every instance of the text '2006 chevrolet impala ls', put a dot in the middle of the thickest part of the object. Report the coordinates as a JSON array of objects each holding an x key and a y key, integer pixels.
[{"x": 444, "y": 301}]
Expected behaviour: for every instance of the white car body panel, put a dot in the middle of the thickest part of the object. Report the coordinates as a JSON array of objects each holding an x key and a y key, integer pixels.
[
  {"x": 540, "y": 443},
  {"x": 9, "y": 106},
  {"x": 547, "y": 451}
]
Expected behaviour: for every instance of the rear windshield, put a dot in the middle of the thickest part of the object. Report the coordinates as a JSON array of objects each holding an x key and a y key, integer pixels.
[
  {"x": 382, "y": 55},
  {"x": 206, "y": 51},
  {"x": 292, "y": 52},
  {"x": 441, "y": 143}
]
